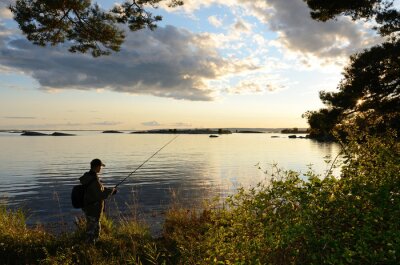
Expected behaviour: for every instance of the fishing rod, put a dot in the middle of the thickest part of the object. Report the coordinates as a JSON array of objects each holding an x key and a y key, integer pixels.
[{"x": 146, "y": 161}]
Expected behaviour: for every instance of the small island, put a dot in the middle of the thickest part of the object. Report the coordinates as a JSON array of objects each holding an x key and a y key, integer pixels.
[
  {"x": 32, "y": 133},
  {"x": 62, "y": 134},
  {"x": 185, "y": 131},
  {"x": 112, "y": 131},
  {"x": 247, "y": 131}
]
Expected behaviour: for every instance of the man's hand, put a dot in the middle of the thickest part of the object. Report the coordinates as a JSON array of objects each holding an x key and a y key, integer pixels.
[{"x": 114, "y": 191}]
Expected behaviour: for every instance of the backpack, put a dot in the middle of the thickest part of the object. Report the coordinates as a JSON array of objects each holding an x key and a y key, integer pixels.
[{"x": 78, "y": 193}]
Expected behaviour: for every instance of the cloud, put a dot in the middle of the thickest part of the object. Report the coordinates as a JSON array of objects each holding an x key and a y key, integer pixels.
[
  {"x": 274, "y": 87},
  {"x": 247, "y": 87},
  {"x": 151, "y": 123},
  {"x": 19, "y": 118},
  {"x": 242, "y": 26},
  {"x": 181, "y": 124},
  {"x": 297, "y": 32},
  {"x": 65, "y": 125},
  {"x": 5, "y": 12},
  {"x": 259, "y": 83},
  {"x": 157, "y": 124},
  {"x": 106, "y": 123},
  {"x": 216, "y": 22},
  {"x": 168, "y": 62}
]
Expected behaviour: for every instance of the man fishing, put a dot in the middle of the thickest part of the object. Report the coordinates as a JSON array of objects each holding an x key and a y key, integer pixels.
[{"x": 93, "y": 202}]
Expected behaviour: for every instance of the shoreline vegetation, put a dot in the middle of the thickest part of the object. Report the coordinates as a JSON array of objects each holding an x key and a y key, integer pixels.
[
  {"x": 295, "y": 131},
  {"x": 293, "y": 219}
]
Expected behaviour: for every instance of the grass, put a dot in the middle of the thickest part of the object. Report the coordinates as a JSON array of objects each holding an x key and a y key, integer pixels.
[{"x": 126, "y": 243}]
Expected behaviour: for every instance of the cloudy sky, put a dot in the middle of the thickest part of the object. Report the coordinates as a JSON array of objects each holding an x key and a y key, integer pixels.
[{"x": 209, "y": 64}]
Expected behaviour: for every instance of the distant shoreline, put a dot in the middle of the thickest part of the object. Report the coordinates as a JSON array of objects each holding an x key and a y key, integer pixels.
[
  {"x": 292, "y": 133},
  {"x": 232, "y": 129}
]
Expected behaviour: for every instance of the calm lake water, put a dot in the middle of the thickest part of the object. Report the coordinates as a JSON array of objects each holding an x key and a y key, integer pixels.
[{"x": 37, "y": 173}]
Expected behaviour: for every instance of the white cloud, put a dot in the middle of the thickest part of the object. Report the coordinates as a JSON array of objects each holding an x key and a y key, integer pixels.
[
  {"x": 157, "y": 124},
  {"x": 181, "y": 124},
  {"x": 5, "y": 13},
  {"x": 247, "y": 87},
  {"x": 258, "y": 83},
  {"x": 106, "y": 123},
  {"x": 216, "y": 22},
  {"x": 151, "y": 123},
  {"x": 19, "y": 117}
]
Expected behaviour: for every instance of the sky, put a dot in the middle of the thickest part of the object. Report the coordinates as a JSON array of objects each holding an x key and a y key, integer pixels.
[{"x": 209, "y": 64}]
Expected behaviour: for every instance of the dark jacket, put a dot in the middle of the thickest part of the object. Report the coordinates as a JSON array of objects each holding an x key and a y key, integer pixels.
[{"x": 95, "y": 194}]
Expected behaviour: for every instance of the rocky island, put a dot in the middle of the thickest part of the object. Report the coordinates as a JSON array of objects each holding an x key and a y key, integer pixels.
[
  {"x": 185, "y": 131},
  {"x": 62, "y": 134},
  {"x": 31, "y": 133},
  {"x": 112, "y": 131},
  {"x": 247, "y": 131}
]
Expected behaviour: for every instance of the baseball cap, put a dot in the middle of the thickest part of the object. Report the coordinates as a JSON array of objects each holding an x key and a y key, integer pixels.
[{"x": 96, "y": 162}]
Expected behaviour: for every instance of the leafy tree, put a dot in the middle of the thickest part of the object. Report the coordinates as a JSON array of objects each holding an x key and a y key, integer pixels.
[
  {"x": 321, "y": 123},
  {"x": 83, "y": 24},
  {"x": 369, "y": 93}
]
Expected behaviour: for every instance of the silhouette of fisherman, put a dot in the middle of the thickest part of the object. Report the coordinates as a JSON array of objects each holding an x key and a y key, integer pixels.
[{"x": 93, "y": 202}]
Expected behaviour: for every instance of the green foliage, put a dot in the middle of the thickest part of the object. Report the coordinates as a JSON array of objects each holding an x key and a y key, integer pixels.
[
  {"x": 184, "y": 234},
  {"x": 322, "y": 10},
  {"x": 322, "y": 122},
  {"x": 83, "y": 24}
]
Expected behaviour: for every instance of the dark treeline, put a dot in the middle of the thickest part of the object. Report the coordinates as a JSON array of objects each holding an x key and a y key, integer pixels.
[{"x": 369, "y": 93}]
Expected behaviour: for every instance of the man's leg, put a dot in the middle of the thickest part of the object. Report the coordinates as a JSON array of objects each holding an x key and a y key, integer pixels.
[{"x": 92, "y": 229}]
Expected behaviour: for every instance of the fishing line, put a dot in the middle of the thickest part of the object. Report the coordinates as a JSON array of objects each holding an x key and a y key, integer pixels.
[{"x": 146, "y": 161}]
